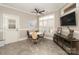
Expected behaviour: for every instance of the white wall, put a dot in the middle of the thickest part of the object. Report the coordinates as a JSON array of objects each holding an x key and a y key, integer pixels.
[
  {"x": 1, "y": 33},
  {"x": 24, "y": 17}
]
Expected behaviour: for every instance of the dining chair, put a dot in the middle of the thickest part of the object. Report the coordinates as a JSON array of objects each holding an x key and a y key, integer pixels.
[
  {"x": 28, "y": 35},
  {"x": 34, "y": 37}
]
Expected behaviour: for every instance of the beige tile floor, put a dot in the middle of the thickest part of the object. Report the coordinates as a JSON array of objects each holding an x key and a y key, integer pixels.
[{"x": 26, "y": 47}]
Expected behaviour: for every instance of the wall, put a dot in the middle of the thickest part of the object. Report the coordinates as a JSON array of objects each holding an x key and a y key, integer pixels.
[
  {"x": 65, "y": 30},
  {"x": 1, "y": 32},
  {"x": 24, "y": 17},
  {"x": 57, "y": 19}
]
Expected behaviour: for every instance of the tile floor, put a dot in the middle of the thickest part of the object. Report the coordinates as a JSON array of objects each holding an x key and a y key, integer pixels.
[{"x": 26, "y": 47}]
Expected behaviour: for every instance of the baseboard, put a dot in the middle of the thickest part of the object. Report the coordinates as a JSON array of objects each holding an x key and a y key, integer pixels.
[
  {"x": 50, "y": 38},
  {"x": 22, "y": 38},
  {"x": 18, "y": 40}
]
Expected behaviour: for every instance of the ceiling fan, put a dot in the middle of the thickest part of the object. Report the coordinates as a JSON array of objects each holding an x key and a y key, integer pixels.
[{"x": 38, "y": 11}]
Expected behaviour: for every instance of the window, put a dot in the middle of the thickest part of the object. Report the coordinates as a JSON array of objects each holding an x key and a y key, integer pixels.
[
  {"x": 46, "y": 23},
  {"x": 12, "y": 24}
]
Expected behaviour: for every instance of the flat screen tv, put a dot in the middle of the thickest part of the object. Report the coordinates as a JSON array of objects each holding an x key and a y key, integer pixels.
[{"x": 68, "y": 20}]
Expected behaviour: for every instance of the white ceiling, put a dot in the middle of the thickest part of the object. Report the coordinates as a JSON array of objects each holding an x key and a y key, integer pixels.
[{"x": 29, "y": 7}]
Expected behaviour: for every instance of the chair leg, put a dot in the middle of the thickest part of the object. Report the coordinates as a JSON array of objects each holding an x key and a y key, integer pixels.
[{"x": 35, "y": 42}]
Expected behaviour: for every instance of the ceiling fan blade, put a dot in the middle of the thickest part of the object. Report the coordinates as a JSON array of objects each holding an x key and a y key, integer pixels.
[
  {"x": 36, "y": 10},
  {"x": 42, "y": 11}
]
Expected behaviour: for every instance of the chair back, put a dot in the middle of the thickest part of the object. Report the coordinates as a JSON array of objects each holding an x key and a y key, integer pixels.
[
  {"x": 34, "y": 35},
  {"x": 28, "y": 34}
]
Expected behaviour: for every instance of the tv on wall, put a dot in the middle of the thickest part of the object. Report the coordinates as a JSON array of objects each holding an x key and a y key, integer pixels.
[{"x": 68, "y": 20}]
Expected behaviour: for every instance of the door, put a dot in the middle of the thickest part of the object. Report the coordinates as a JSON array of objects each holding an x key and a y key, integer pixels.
[{"x": 10, "y": 26}]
